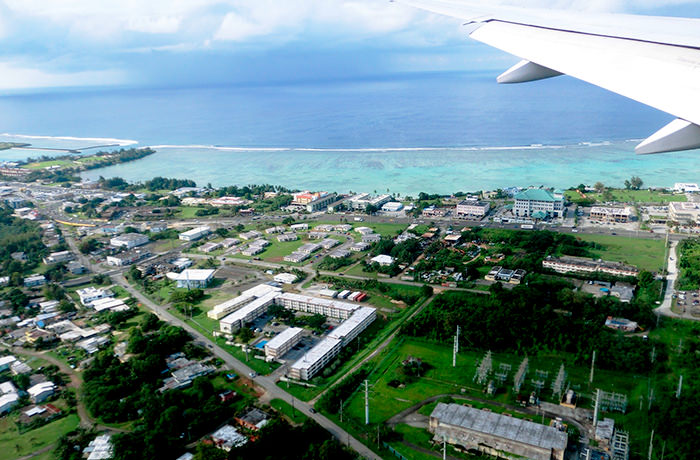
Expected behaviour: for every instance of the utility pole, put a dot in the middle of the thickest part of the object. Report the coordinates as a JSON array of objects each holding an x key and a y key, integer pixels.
[
  {"x": 341, "y": 411},
  {"x": 444, "y": 448},
  {"x": 455, "y": 346},
  {"x": 651, "y": 444},
  {"x": 680, "y": 386},
  {"x": 596, "y": 408},
  {"x": 459, "y": 330},
  {"x": 366, "y": 402},
  {"x": 590, "y": 379}
]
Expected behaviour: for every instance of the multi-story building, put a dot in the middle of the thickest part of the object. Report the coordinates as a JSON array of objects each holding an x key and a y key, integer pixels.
[
  {"x": 538, "y": 203},
  {"x": 246, "y": 296},
  {"x": 686, "y": 213},
  {"x": 127, "y": 258},
  {"x": 129, "y": 240},
  {"x": 472, "y": 208},
  {"x": 605, "y": 214},
  {"x": 283, "y": 342},
  {"x": 359, "y": 202},
  {"x": 570, "y": 264},
  {"x": 246, "y": 314},
  {"x": 313, "y": 202}
]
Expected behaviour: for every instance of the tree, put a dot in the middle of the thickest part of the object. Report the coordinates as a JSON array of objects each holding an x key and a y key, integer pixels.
[
  {"x": 371, "y": 209},
  {"x": 89, "y": 245},
  {"x": 636, "y": 183},
  {"x": 288, "y": 220},
  {"x": 245, "y": 334},
  {"x": 599, "y": 187},
  {"x": 64, "y": 306}
]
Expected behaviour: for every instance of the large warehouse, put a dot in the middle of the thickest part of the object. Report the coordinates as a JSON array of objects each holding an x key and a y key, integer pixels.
[{"x": 496, "y": 434}]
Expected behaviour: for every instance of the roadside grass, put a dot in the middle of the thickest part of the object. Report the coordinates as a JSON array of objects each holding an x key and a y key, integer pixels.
[
  {"x": 356, "y": 270},
  {"x": 627, "y": 196},
  {"x": 646, "y": 254},
  {"x": 285, "y": 408},
  {"x": 166, "y": 245},
  {"x": 14, "y": 445}
]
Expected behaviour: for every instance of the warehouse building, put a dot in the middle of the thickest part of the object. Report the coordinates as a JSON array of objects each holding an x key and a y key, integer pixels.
[
  {"x": 496, "y": 434},
  {"x": 129, "y": 240},
  {"x": 195, "y": 234},
  {"x": 192, "y": 278},
  {"x": 283, "y": 342}
]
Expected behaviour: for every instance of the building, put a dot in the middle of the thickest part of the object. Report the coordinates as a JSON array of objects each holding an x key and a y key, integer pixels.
[
  {"x": 210, "y": 247},
  {"x": 570, "y": 264},
  {"x": 99, "y": 448},
  {"x": 680, "y": 187},
  {"x": 127, "y": 258},
  {"x": 383, "y": 260},
  {"x": 6, "y": 362},
  {"x": 129, "y": 240},
  {"x": 313, "y": 202},
  {"x": 253, "y": 420},
  {"x": 392, "y": 206},
  {"x": 251, "y": 235},
  {"x": 41, "y": 391},
  {"x": 472, "y": 208},
  {"x": 246, "y": 296},
  {"x": 299, "y": 227},
  {"x": 361, "y": 201},
  {"x": 686, "y": 213},
  {"x": 538, "y": 203},
  {"x": 227, "y": 437},
  {"x": 360, "y": 246},
  {"x": 496, "y": 434},
  {"x": 371, "y": 238},
  {"x": 249, "y": 312},
  {"x": 75, "y": 267},
  {"x": 286, "y": 237},
  {"x": 8, "y": 402},
  {"x": 296, "y": 257},
  {"x": 309, "y": 248},
  {"x": 59, "y": 257},
  {"x": 285, "y": 278},
  {"x": 604, "y": 214},
  {"x": 623, "y": 291},
  {"x": 195, "y": 234},
  {"x": 34, "y": 280},
  {"x": 434, "y": 211},
  {"x": 328, "y": 243},
  {"x": 339, "y": 254},
  {"x": 181, "y": 263},
  {"x": 192, "y": 278},
  {"x": 283, "y": 342},
  {"x": 110, "y": 304},
  {"x": 621, "y": 324}
]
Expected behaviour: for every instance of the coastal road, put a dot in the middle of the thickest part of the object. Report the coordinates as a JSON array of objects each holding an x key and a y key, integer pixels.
[{"x": 268, "y": 384}]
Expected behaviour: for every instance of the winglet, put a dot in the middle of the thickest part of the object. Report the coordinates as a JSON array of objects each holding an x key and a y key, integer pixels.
[
  {"x": 677, "y": 135},
  {"x": 526, "y": 71}
]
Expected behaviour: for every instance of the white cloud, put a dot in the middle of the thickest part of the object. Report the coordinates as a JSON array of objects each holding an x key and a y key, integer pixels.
[
  {"x": 19, "y": 76},
  {"x": 154, "y": 25}
]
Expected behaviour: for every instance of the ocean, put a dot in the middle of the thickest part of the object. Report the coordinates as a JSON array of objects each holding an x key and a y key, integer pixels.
[{"x": 432, "y": 132}]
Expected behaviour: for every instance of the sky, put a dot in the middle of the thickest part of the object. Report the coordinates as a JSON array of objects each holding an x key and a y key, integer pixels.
[{"x": 59, "y": 43}]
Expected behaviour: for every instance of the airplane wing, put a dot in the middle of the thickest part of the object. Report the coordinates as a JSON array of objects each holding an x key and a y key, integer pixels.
[{"x": 653, "y": 60}]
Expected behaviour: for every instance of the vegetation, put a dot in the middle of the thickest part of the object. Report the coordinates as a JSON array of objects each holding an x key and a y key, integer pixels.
[{"x": 689, "y": 265}]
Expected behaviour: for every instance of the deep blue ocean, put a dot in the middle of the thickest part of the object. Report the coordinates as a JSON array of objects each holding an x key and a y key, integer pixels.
[{"x": 407, "y": 133}]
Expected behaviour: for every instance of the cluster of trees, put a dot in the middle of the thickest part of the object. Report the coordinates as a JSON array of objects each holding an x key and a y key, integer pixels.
[
  {"x": 332, "y": 264},
  {"x": 163, "y": 183},
  {"x": 331, "y": 399},
  {"x": 545, "y": 315},
  {"x": 689, "y": 263},
  {"x": 404, "y": 252},
  {"x": 19, "y": 235},
  {"x": 249, "y": 192}
]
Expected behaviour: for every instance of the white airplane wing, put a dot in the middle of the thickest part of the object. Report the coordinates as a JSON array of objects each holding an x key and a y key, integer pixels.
[{"x": 653, "y": 60}]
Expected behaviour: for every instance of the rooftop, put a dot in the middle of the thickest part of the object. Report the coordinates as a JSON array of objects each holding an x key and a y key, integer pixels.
[{"x": 536, "y": 194}]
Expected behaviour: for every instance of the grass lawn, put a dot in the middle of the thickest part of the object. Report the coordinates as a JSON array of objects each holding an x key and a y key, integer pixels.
[
  {"x": 645, "y": 254},
  {"x": 383, "y": 229},
  {"x": 14, "y": 445},
  {"x": 49, "y": 163},
  {"x": 276, "y": 250},
  {"x": 357, "y": 271},
  {"x": 628, "y": 196},
  {"x": 285, "y": 408},
  {"x": 299, "y": 391},
  {"x": 166, "y": 245}
]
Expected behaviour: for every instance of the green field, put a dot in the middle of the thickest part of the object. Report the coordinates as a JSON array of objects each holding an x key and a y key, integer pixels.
[
  {"x": 15, "y": 445},
  {"x": 647, "y": 254},
  {"x": 284, "y": 407},
  {"x": 47, "y": 164},
  {"x": 276, "y": 251},
  {"x": 628, "y": 196}
]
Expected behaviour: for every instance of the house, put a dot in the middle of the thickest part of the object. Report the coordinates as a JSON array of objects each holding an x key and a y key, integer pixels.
[
  {"x": 339, "y": 254},
  {"x": 621, "y": 324},
  {"x": 41, "y": 391},
  {"x": 254, "y": 419},
  {"x": 299, "y": 227},
  {"x": 371, "y": 238},
  {"x": 8, "y": 402},
  {"x": 210, "y": 247},
  {"x": 58, "y": 257},
  {"x": 286, "y": 237},
  {"x": 227, "y": 437},
  {"x": 75, "y": 267},
  {"x": 285, "y": 278},
  {"x": 538, "y": 203},
  {"x": 34, "y": 280},
  {"x": 6, "y": 362},
  {"x": 192, "y": 278},
  {"x": 99, "y": 448},
  {"x": 359, "y": 247},
  {"x": 623, "y": 291},
  {"x": 383, "y": 260},
  {"x": 251, "y": 235},
  {"x": 90, "y": 294}
]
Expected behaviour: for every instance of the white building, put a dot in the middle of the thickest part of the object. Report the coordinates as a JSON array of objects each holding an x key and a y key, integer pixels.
[
  {"x": 8, "y": 402},
  {"x": 246, "y": 296},
  {"x": 681, "y": 187},
  {"x": 59, "y": 257},
  {"x": 34, "y": 280},
  {"x": 41, "y": 391},
  {"x": 359, "y": 202},
  {"x": 285, "y": 278},
  {"x": 567, "y": 264},
  {"x": 246, "y": 314},
  {"x": 609, "y": 214},
  {"x": 383, "y": 260},
  {"x": 472, "y": 208},
  {"x": 210, "y": 247},
  {"x": 195, "y": 234},
  {"x": 538, "y": 203},
  {"x": 90, "y": 294},
  {"x": 687, "y": 213},
  {"x": 283, "y": 342},
  {"x": 299, "y": 227},
  {"x": 192, "y": 278},
  {"x": 129, "y": 240},
  {"x": 99, "y": 448},
  {"x": 6, "y": 362},
  {"x": 392, "y": 206},
  {"x": 227, "y": 437}
]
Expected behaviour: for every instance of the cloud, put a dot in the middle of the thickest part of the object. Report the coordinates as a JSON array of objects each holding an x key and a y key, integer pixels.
[{"x": 20, "y": 76}]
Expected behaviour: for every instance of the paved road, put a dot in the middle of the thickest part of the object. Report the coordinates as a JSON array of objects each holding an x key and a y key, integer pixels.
[{"x": 268, "y": 384}]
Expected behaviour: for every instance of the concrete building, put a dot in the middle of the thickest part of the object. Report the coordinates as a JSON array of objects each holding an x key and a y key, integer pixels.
[
  {"x": 34, "y": 280},
  {"x": 283, "y": 342},
  {"x": 127, "y": 258},
  {"x": 41, "y": 391},
  {"x": 129, "y": 240},
  {"x": 472, "y": 208},
  {"x": 59, "y": 257},
  {"x": 296, "y": 257},
  {"x": 246, "y": 296},
  {"x": 359, "y": 202},
  {"x": 99, "y": 448},
  {"x": 383, "y": 260},
  {"x": 313, "y": 202},
  {"x": 210, "y": 247},
  {"x": 227, "y": 437},
  {"x": 606, "y": 215},
  {"x": 685, "y": 213},
  {"x": 371, "y": 238},
  {"x": 538, "y": 203},
  {"x": 285, "y": 278},
  {"x": 339, "y": 254},
  {"x": 623, "y": 291},
  {"x": 621, "y": 324},
  {"x": 8, "y": 402},
  {"x": 6, "y": 362},
  {"x": 195, "y": 234},
  {"x": 286, "y": 237},
  {"x": 681, "y": 187},
  {"x": 247, "y": 313},
  {"x": 570, "y": 264},
  {"x": 496, "y": 434},
  {"x": 253, "y": 420},
  {"x": 299, "y": 227},
  {"x": 360, "y": 246},
  {"x": 392, "y": 206},
  {"x": 328, "y": 243},
  {"x": 306, "y": 304},
  {"x": 251, "y": 235},
  {"x": 192, "y": 278},
  {"x": 90, "y": 294}
]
